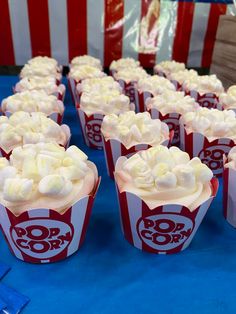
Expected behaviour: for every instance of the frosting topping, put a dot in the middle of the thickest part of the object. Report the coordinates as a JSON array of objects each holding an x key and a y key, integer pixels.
[
  {"x": 154, "y": 84},
  {"x": 231, "y": 159},
  {"x": 130, "y": 75},
  {"x": 85, "y": 71},
  {"x": 228, "y": 100},
  {"x": 101, "y": 85},
  {"x": 168, "y": 67},
  {"x": 46, "y": 83},
  {"x": 182, "y": 76},
  {"x": 86, "y": 60},
  {"x": 124, "y": 63},
  {"x": 204, "y": 84}
]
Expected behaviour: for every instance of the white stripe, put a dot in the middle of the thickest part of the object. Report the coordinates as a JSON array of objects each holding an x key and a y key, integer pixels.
[
  {"x": 224, "y": 141},
  {"x": 182, "y": 136},
  {"x": 82, "y": 122},
  {"x": 167, "y": 22},
  {"x": 77, "y": 219},
  {"x": 172, "y": 208},
  {"x": 42, "y": 212},
  {"x": 199, "y": 28},
  {"x": 6, "y": 225},
  {"x": 132, "y": 12},
  {"x": 231, "y": 9},
  {"x": 95, "y": 28},
  {"x": 116, "y": 150},
  {"x": 119, "y": 203},
  {"x": 135, "y": 212},
  {"x": 198, "y": 142},
  {"x": 20, "y": 30},
  {"x": 58, "y": 30}
]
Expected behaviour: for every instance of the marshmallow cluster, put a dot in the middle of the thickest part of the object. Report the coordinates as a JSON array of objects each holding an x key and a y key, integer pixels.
[
  {"x": 154, "y": 84},
  {"x": 231, "y": 159},
  {"x": 45, "y": 175},
  {"x": 182, "y": 76},
  {"x": 172, "y": 102},
  {"x": 24, "y": 128},
  {"x": 123, "y": 64},
  {"x": 204, "y": 84},
  {"x": 85, "y": 71},
  {"x": 168, "y": 67},
  {"x": 162, "y": 176},
  {"x": 110, "y": 101},
  {"x": 212, "y": 123},
  {"x": 228, "y": 100},
  {"x": 130, "y": 74},
  {"x": 32, "y": 101},
  {"x": 98, "y": 85},
  {"x": 86, "y": 60},
  {"x": 132, "y": 129}
]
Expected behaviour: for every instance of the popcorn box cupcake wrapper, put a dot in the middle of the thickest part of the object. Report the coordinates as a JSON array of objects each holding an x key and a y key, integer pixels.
[
  {"x": 130, "y": 91},
  {"x": 112, "y": 72},
  {"x": 160, "y": 73},
  {"x": 113, "y": 149},
  {"x": 91, "y": 129},
  {"x": 72, "y": 88},
  {"x": 210, "y": 153},
  {"x": 140, "y": 100},
  {"x": 229, "y": 195},
  {"x": 177, "y": 85},
  {"x": 44, "y": 235},
  {"x": 171, "y": 119},
  {"x": 163, "y": 230},
  {"x": 208, "y": 100}
]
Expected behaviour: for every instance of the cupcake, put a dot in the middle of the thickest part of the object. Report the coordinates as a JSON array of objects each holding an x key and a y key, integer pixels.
[
  {"x": 165, "y": 68},
  {"x": 46, "y": 196},
  {"x": 29, "y": 128},
  {"x": 229, "y": 179},
  {"x": 208, "y": 134},
  {"x": 204, "y": 89},
  {"x": 123, "y": 64},
  {"x": 128, "y": 133},
  {"x": 34, "y": 101},
  {"x": 47, "y": 84},
  {"x": 92, "y": 109},
  {"x": 86, "y": 60},
  {"x": 178, "y": 78},
  {"x": 151, "y": 86},
  {"x": 163, "y": 196},
  {"x": 128, "y": 79},
  {"x": 228, "y": 100},
  {"x": 168, "y": 107}
]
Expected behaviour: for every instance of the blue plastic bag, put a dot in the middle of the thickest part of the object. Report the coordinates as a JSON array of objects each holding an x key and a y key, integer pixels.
[
  {"x": 3, "y": 270},
  {"x": 14, "y": 300}
]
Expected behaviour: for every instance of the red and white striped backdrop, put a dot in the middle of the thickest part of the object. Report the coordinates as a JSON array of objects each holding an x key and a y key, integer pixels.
[{"x": 107, "y": 29}]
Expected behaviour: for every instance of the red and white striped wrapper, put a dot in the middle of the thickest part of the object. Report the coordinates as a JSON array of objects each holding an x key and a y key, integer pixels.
[
  {"x": 229, "y": 195},
  {"x": 210, "y": 153},
  {"x": 177, "y": 85},
  {"x": 44, "y": 235},
  {"x": 130, "y": 91},
  {"x": 208, "y": 100},
  {"x": 91, "y": 128},
  {"x": 165, "y": 229},
  {"x": 159, "y": 72},
  {"x": 140, "y": 100},
  {"x": 221, "y": 106},
  {"x": 72, "y": 88},
  {"x": 171, "y": 119},
  {"x": 113, "y": 149}
]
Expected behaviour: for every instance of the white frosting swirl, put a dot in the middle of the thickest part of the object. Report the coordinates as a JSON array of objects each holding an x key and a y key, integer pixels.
[
  {"x": 212, "y": 123},
  {"x": 131, "y": 74},
  {"x": 43, "y": 60},
  {"x": 154, "y": 84},
  {"x": 47, "y": 84},
  {"x": 24, "y": 128},
  {"x": 82, "y": 72},
  {"x": 123, "y": 64},
  {"x": 45, "y": 176},
  {"x": 108, "y": 102},
  {"x": 169, "y": 67},
  {"x": 86, "y": 60},
  {"x": 231, "y": 159},
  {"x": 162, "y": 176},
  {"x": 41, "y": 70},
  {"x": 132, "y": 129},
  {"x": 228, "y": 100},
  {"x": 182, "y": 76},
  {"x": 172, "y": 102},
  {"x": 204, "y": 84},
  {"x": 32, "y": 101},
  {"x": 98, "y": 85}
]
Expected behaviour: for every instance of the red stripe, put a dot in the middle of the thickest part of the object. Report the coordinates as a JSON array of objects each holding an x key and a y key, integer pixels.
[
  {"x": 113, "y": 30},
  {"x": 188, "y": 143},
  {"x": 77, "y": 27},
  {"x": 215, "y": 11},
  {"x": 183, "y": 31},
  {"x": 7, "y": 50},
  {"x": 39, "y": 27}
]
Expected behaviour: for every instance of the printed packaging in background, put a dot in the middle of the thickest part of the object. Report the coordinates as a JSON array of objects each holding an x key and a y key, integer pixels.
[
  {"x": 208, "y": 100},
  {"x": 44, "y": 235}
]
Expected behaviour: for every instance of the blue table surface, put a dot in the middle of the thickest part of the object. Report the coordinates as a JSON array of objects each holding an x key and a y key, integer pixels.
[{"x": 108, "y": 275}]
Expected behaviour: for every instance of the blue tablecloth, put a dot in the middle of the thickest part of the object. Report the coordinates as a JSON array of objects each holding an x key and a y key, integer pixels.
[{"x": 109, "y": 276}]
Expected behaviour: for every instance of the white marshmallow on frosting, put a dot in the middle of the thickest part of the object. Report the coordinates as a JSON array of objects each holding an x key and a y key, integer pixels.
[
  {"x": 154, "y": 84},
  {"x": 228, "y": 100},
  {"x": 46, "y": 83},
  {"x": 168, "y": 67},
  {"x": 24, "y": 128},
  {"x": 82, "y": 72},
  {"x": 212, "y": 123},
  {"x": 123, "y": 64},
  {"x": 45, "y": 175},
  {"x": 131, "y": 74},
  {"x": 86, "y": 60},
  {"x": 182, "y": 76},
  {"x": 231, "y": 159},
  {"x": 161, "y": 176},
  {"x": 204, "y": 84},
  {"x": 41, "y": 70},
  {"x": 105, "y": 103},
  {"x": 172, "y": 102},
  {"x": 32, "y": 101},
  {"x": 132, "y": 129},
  {"x": 44, "y": 60},
  {"x": 98, "y": 85}
]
